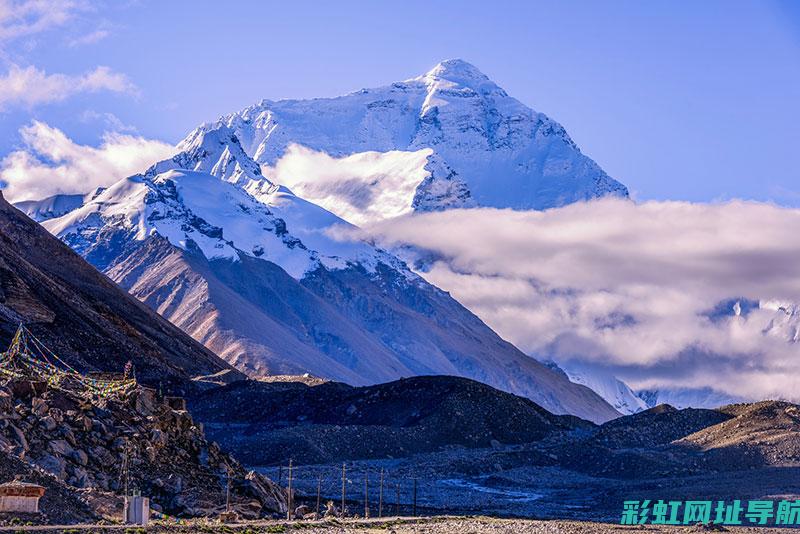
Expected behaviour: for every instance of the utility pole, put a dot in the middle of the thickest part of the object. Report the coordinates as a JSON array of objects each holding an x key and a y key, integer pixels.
[
  {"x": 289, "y": 504},
  {"x": 366, "y": 494},
  {"x": 397, "y": 502},
  {"x": 125, "y": 467},
  {"x": 380, "y": 497},
  {"x": 319, "y": 493},
  {"x": 228, "y": 491},
  {"x": 344, "y": 490}
]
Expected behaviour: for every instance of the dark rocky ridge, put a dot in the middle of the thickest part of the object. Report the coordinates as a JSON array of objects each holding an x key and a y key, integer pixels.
[
  {"x": 266, "y": 423},
  {"x": 746, "y": 452},
  {"x": 83, "y": 316}
]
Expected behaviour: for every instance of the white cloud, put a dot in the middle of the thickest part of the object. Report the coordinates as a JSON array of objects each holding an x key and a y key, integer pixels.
[
  {"x": 361, "y": 188},
  {"x": 51, "y": 163},
  {"x": 113, "y": 122},
  {"x": 89, "y": 38},
  {"x": 30, "y": 86},
  {"x": 628, "y": 286},
  {"x": 20, "y": 18}
]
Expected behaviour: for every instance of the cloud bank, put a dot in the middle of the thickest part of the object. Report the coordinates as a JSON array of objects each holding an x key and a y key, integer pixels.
[
  {"x": 50, "y": 163},
  {"x": 647, "y": 291},
  {"x": 361, "y": 188}
]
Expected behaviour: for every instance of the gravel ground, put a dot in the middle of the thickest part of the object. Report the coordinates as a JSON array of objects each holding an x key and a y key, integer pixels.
[
  {"x": 514, "y": 526},
  {"x": 432, "y": 525}
]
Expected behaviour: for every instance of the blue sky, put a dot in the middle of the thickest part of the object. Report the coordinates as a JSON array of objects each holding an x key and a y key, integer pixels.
[{"x": 686, "y": 100}]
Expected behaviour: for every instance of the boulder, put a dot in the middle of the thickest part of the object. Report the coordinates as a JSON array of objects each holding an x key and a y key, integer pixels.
[
  {"x": 6, "y": 402},
  {"x": 53, "y": 465},
  {"x": 48, "y": 423},
  {"x": 60, "y": 447},
  {"x": 79, "y": 457},
  {"x": 39, "y": 407},
  {"x": 301, "y": 511},
  {"x": 19, "y": 436}
]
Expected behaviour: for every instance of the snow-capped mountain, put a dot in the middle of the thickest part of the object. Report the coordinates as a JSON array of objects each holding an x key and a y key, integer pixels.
[
  {"x": 54, "y": 206},
  {"x": 614, "y": 391},
  {"x": 248, "y": 268},
  {"x": 687, "y": 397},
  {"x": 785, "y": 323},
  {"x": 449, "y": 138}
]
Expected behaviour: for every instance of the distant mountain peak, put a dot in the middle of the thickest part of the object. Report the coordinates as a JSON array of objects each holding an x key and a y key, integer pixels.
[
  {"x": 503, "y": 153},
  {"x": 457, "y": 70}
]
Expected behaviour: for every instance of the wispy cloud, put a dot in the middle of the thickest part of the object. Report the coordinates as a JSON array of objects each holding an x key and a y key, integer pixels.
[
  {"x": 111, "y": 121},
  {"x": 22, "y": 18},
  {"x": 51, "y": 163},
  {"x": 89, "y": 38},
  {"x": 627, "y": 286},
  {"x": 30, "y": 86}
]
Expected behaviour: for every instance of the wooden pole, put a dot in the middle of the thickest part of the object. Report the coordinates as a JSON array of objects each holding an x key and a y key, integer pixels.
[
  {"x": 289, "y": 505},
  {"x": 126, "y": 467},
  {"x": 319, "y": 493},
  {"x": 228, "y": 491},
  {"x": 344, "y": 490},
  {"x": 366, "y": 494},
  {"x": 380, "y": 497}
]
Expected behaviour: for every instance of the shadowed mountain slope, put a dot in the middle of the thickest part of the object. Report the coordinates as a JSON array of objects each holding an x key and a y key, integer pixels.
[{"x": 84, "y": 317}]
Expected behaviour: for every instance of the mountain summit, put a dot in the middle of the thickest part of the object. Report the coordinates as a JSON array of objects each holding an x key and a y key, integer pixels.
[
  {"x": 459, "y": 71},
  {"x": 449, "y": 138},
  {"x": 231, "y": 239}
]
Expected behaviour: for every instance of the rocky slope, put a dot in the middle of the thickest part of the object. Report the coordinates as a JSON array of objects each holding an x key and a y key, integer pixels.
[
  {"x": 448, "y": 138},
  {"x": 61, "y": 503},
  {"x": 83, "y": 316},
  {"x": 84, "y": 443},
  {"x": 252, "y": 271},
  {"x": 266, "y": 423},
  {"x": 764, "y": 434}
]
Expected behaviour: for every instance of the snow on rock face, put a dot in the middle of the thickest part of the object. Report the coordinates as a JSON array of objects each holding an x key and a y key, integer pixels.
[
  {"x": 218, "y": 152},
  {"x": 498, "y": 152},
  {"x": 687, "y": 397},
  {"x": 614, "y": 391},
  {"x": 54, "y": 206},
  {"x": 785, "y": 322},
  {"x": 197, "y": 210}
]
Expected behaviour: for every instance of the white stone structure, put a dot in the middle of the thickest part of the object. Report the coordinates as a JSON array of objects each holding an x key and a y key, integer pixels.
[
  {"x": 20, "y": 497},
  {"x": 136, "y": 511}
]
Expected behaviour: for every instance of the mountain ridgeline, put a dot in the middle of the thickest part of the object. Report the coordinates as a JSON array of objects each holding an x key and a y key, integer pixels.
[
  {"x": 82, "y": 316},
  {"x": 214, "y": 240}
]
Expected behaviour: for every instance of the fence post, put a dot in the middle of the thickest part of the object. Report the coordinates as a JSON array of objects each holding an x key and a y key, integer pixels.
[
  {"x": 319, "y": 492},
  {"x": 380, "y": 497},
  {"x": 366, "y": 494},
  {"x": 344, "y": 490},
  {"x": 290, "y": 503}
]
